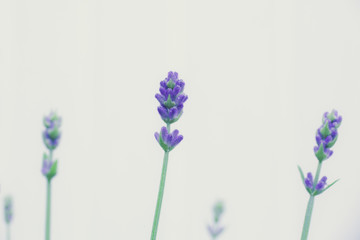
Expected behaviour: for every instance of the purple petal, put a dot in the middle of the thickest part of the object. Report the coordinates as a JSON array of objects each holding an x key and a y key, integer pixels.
[
  {"x": 164, "y": 133},
  {"x": 175, "y": 133},
  {"x": 323, "y": 179},
  {"x": 173, "y": 112},
  {"x": 157, "y": 136},
  {"x": 310, "y": 177},
  {"x": 162, "y": 91},
  {"x": 318, "y": 139},
  {"x": 177, "y": 140},
  {"x": 181, "y": 84},
  {"x": 163, "y": 112},
  {"x": 160, "y": 98},
  {"x": 175, "y": 92},
  {"x": 328, "y": 152},
  {"x": 308, "y": 183}
]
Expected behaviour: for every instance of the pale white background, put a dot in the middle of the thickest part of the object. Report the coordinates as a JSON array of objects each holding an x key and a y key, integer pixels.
[{"x": 259, "y": 75}]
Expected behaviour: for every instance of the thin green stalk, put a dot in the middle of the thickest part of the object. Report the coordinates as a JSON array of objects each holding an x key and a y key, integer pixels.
[
  {"x": 306, "y": 227},
  {"x": 8, "y": 232},
  {"x": 317, "y": 174},
  {"x": 48, "y": 210},
  {"x": 161, "y": 194},
  {"x": 48, "y": 205},
  {"x": 310, "y": 207}
]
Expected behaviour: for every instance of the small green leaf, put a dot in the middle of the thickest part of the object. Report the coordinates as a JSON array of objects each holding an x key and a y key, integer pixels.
[
  {"x": 303, "y": 179},
  {"x": 330, "y": 185},
  {"x": 325, "y": 131},
  {"x": 170, "y": 84},
  {"x": 330, "y": 144},
  {"x": 301, "y": 174},
  {"x": 320, "y": 154},
  {"x": 169, "y": 103},
  {"x": 54, "y": 133},
  {"x": 162, "y": 144},
  {"x": 53, "y": 171}
]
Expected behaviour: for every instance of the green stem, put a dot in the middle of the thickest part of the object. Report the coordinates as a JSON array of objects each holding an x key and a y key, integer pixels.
[
  {"x": 306, "y": 227},
  {"x": 8, "y": 232},
  {"x": 161, "y": 194},
  {"x": 48, "y": 204},
  {"x": 48, "y": 209},
  {"x": 317, "y": 174},
  {"x": 310, "y": 207}
]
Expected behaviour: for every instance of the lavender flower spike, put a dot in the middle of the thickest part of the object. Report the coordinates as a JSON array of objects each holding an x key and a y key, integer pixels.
[
  {"x": 168, "y": 141},
  {"x": 51, "y": 134},
  {"x": 51, "y": 137},
  {"x": 8, "y": 210},
  {"x": 215, "y": 229},
  {"x": 171, "y": 98},
  {"x": 327, "y": 135}
]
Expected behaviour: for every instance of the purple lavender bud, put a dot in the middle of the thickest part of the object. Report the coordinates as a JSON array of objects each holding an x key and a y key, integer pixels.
[
  {"x": 309, "y": 182},
  {"x": 49, "y": 167},
  {"x": 51, "y": 134},
  {"x": 171, "y": 98},
  {"x": 215, "y": 231},
  {"x": 327, "y": 135},
  {"x": 321, "y": 184},
  {"x": 168, "y": 141},
  {"x": 8, "y": 210}
]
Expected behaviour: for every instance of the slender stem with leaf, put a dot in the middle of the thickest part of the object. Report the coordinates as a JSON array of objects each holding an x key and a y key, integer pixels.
[
  {"x": 171, "y": 99},
  {"x": 51, "y": 138},
  {"x": 48, "y": 204},
  {"x": 161, "y": 193},
  {"x": 310, "y": 207},
  {"x": 326, "y": 136}
]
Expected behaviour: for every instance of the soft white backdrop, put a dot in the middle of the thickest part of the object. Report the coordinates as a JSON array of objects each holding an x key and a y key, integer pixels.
[{"x": 259, "y": 75}]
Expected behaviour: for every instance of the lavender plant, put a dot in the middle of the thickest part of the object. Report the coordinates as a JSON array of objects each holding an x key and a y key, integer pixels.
[
  {"x": 51, "y": 137},
  {"x": 215, "y": 229},
  {"x": 171, "y": 99},
  {"x": 326, "y": 136},
  {"x": 8, "y": 212}
]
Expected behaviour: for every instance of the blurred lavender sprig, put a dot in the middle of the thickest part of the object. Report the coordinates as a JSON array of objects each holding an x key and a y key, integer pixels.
[
  {"x": 51, "y": 137},
  {"x": 51, "y": 134},
  {"x": 8, "y": 214},
  {"x": 171, "y": 99},
  {"x": 326, "y": 137},
  {"x": 215, "y": 229}
]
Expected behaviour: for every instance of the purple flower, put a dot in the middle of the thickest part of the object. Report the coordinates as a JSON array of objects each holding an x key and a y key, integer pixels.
[
  {"x": 49, "y": 167},
  {"x": 326, "y": 135},
  {"x": 51, "y": 134},
  {"x": 171, "y": 98},
  {"x": 309, "y": 181},
  {"x": 168, "y": 140},
  {"x": 321, "y": 184},
  {"x": 215, "y": 230},
  {"x": 8, "y": 210}
]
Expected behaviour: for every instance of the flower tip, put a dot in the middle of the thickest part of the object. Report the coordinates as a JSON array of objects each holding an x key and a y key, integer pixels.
[{"x": 157, "y": 136}]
